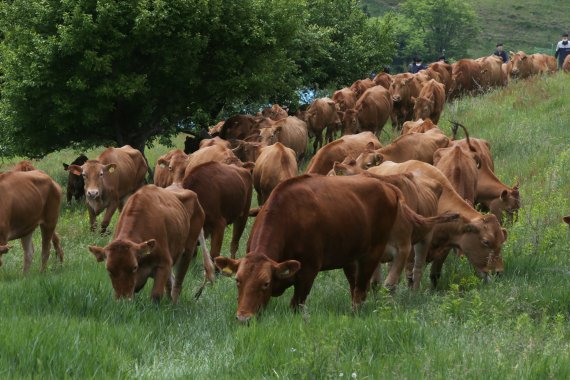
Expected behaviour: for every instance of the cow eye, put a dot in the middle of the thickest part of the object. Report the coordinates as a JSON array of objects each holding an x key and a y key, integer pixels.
[
  {"x": 170, "y": 168},
  {"x": 83, "y": 175},
  {"x": 265, "y": 285},
  {"x": 101, "y": 174},
  {"x": 135, "y": 268},
  {"x": 486, "y": 243}
]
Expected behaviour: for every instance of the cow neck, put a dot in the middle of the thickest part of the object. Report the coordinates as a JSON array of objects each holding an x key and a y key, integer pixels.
[
  {"x": 489, "y": 187},
  {"x": 268, "y": 238}
]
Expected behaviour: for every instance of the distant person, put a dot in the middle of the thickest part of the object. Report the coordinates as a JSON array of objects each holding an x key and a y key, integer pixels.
[
  {"x": 442, "y": 59},
  {"x": 501, "y": 53},
  {"x": 562, "y": 50},
  {"x": 417, "y": 66}
]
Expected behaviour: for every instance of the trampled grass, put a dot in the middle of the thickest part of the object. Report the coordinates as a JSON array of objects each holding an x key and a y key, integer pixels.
[{"x": 65, "y": 323}]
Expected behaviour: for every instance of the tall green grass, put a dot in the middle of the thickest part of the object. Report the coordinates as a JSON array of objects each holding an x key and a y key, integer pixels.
[{"x": 65, "y": 323}]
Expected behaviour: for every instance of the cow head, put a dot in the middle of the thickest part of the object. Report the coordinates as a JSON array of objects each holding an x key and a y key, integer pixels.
[
  {"x": 423, "y": 107},
  {"x": 519, "y": 63},
  {"x": 123, "y": 261},
  {"x": 369, "y": 158},
  {"x": 481, "y": 240},
  {"x": 346, "y": 167},
  {"x": 269, "y": 136},
  {"x": 399, "y": 89},
  {"x": 350, "y": 122},
  {"x": 4, "y": 249},
  {"x": 247, "y": 151},
  {"x": 257, "y": 279},
  {"x": 507, "y": 202},
  {"x": 93, "y": 173}
]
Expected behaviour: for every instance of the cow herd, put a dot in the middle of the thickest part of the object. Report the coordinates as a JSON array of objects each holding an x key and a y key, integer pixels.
[{"x": 358, "y": 205}]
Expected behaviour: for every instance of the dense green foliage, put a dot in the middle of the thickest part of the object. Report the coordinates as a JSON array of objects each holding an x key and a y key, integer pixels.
[{"x": 65, "y": 323}]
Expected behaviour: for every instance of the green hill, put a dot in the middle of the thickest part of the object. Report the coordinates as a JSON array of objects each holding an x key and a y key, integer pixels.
[{"x": 529, "y": 25}]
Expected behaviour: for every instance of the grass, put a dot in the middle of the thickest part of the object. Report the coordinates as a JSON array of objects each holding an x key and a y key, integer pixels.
[{"x": 66, "y": 324}]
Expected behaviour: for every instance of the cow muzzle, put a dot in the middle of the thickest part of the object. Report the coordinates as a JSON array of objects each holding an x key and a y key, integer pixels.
[
  {"x": 396, "y": 99},
  {"x": 93, "y": 193},
  {"x": 244, "y": 317}
]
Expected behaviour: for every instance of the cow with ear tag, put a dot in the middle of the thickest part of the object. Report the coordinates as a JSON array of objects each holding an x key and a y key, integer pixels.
[
  {"x": 110, "y": 180},
  {"x": 158, "y": 228}
]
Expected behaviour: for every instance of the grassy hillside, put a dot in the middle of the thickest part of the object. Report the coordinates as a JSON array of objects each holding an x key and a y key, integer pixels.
[
  {"x": 66, "y": 324},
  {"x": 529, "y": 25}
]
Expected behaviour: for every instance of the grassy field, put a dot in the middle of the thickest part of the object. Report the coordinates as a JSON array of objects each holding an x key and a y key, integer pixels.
[
  {"x": 529, "y": 25},
  {"x": 66, "y": 324}
]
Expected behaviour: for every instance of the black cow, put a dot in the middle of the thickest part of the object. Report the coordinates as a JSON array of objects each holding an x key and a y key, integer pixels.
[
  {"x": 75, "y": 183},
  {"x": 192, "y": 143}
]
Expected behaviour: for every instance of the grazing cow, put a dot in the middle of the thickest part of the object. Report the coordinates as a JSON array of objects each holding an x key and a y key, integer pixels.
[
  {"x": 321, "y": 115},
  {"x": 291, "y": 132},
  {"x": 170, "y": 167},
  {"x": 238, "y": 127},
  {"x": 460, "y": 168},
  {"x": 478, "y": 236},
  {"x": 418, "y": 126},
  {"x": 193, "y": 143},
  {"x": 157, "y": 230},
  {"x": 491, "y": 72},
  {"x": 29, "y": 199},
  {"x": 524, "y": 66},
  {"x": 275, "y": 164},
  {"x": 360, "y": 86},
  {"x": 566, "y": 64},
  {"x": 311, "y": 224},
  {"x": 350, "y": 145},
  {"x": 465, "y": 78},
  {"x": 412, "y": 146},
  {"x": 383, "y": 79},
  {"x": 429, "y": 104},
  {"x": 75, "y": 183},
  {"x": 224, "y": 192},
  {"x": 445, "y": 71},
  {"x": 274, "y": 112},
  {"x": 403, "y": 88},
  {"x": 344, "y": 99},
  {"x": 371, "y": 112},
  {"x": 216, "y": 152},
  {"x": 110, "y": 180}
]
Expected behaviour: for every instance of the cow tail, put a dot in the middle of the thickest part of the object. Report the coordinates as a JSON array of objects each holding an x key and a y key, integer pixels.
[
  {"x": 209, "y": 274},
  {"x": 456, "y": 125}
]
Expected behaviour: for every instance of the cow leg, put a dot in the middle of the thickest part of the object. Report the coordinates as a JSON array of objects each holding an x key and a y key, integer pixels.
[
  {"x": 57, "y": 246},
  {"x": 329, "y": 134},
  {"x": 419, "y": 263},
  {"x": 108, "y": 215},
  {"x": 161, "y": 278},
  {"x": 398, "y": 264},
  {"x": 169, "y": 283},
  {"x": 350, "y": 273},
  {"x": 217, "y": 239},
  {"x": 303, "y": 285},
  {"x": 48, "y": 233},
  {"x": 366, "y": 267},
  {"x": 69, "y": 196},
  {"x": 28, "y": 247},
  {"x": 318, "y": 141},
  {"x": 377, "y": 277},
  {"x": 436, "y": 265},
  {"x": 239, "y": 226},
  {"x": 181, "y": 270}
]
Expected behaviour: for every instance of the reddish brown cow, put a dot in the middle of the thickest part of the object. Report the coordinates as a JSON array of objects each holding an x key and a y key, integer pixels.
[
  {"x": 238, "y": 127},
  {"x": 445, "y": 71},
  {"x": 350, "y": 145},
  {"x": 491, "y": 72},
  {"x": 460, "y": 168},
  {"x": 311, "y": 224},
  {"x": 370, "y": 113},
  {"x": 110, "y": 180},
  {"x": 344, "y": 99},
  {"x": 247, "y": 151},
  {"x": 322, "y": 115},
  {"x": 566, "y": 64},
  {"x": 383, "y": 79},
  {"x": 275, "y": 164},
  {"x": 429, "y": 104},
  {"x": 157, "y": 230},
  {"x": 360, "y": 86},
  {"x": 216, "y": 152},
  {"x": 224, "y": 192},
  {"x": 291, "y": 132},
  {"x": 29, "y": 199},
  {"x": 465, "y": 78},
  {"x": 23, "y": 166},
  {"x": 274, "y": 112},
  {"x": 524, "y": 66},
  {"x": 403, "y": 88},
  {"x": 75, "y": 183},
  {"x": 418, "y": 126},
  {"x": 169, "y": 166}
]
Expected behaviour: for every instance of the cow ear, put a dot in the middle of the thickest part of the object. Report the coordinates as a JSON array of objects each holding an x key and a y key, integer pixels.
[
  {"x": 98, "y": 252},
  {"x": 286, "y": 269},
  {"x": 566, "y": 219},
  {"x": 4, "y": 248},
  {"x": 75, "y": 169},
  {"x": 370, "y": 146},
  {"x": 227, "y": 265},
  {"x": 65, "y": 166},
  {"x": 505, "y": 234},
  {"x": 146, "y": 246},
  {"x": 504, "y": 195},
  {"x": 470, "y": 228},
  {"x": 110, "y": 168}
]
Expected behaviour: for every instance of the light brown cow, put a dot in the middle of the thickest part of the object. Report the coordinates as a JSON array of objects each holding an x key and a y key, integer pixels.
[
  {"x": 478, "y": 236},
  {"x": 524, "y": 66},
  {"x": 566, "y": 64},
  {"x": 157, "y": 230},
  {"x": 23, "y": 166},
  {"x": 465, "y": 78},
  {"x": 321, "y": 115},
  {"x": 28, "y": 200},
  {"x": 344, "y": 99},
  {"x": 360, "y": 86},
  {"x": 491, "y": 72},
  {"x": 418, "y": 126},
  {"x": 506, "y": 69},
  {"x": 247, "y": 151},
  {"x": 110, "y": 180},
  {"x": 291, "y": 132},
  {"x": 429, "y": 104},
  {"x": 371, "y": 112},
  {"x": 350, "y": 145},
  {"x": 403, "y": 88},
  {"x": 275, "y": 112},
  {"x": 460, "y": 168},
  {"x": 169, "y": 166},
  {"x": 224, "y": 192},
  {"x": 216, "y": 152},
  {"x": 275, "y": 164},
  {"x": 383, "y": 79},
  {"x": 445, "y": 71}
]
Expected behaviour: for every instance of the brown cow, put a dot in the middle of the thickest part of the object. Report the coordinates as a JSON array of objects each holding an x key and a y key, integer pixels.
[
  {"x": 75, "y": 183},
  {"x": 445, "y": 71},
  {"x": 360, "y": 86},
  {"x": 524, "y": 66},
  {"x": 157, "y": 230},
  {"x": 224, "y": 192},
  {"x": 491, "y": 72},
  {"x": 403, "y": 88},
  {"x": 274, "y": 112},
  {"x": 321, "y": 115},
  {"x": 412, "y": 146},
  {"x": 110, "y": 180},
  {"x": 238, "y": 127},
  {"x": 344, "y": 99},
  {"x": 216, "y": 152},
  {"x": 418, "y": 126},
  {"x": 29, "y": 199},
  {"x": 478, "y": 236},
  {"x": 383, "y": 79},
  {"x": 291, "y": 132},
  {"x": 506, "y": 69},
  {"x": 566, "y": 64},
  {"x": 169, "y": 166},
  {"x": 275, "y": 164},
  {"x": 310, "y": 224},
  {"x": 429, "y": 104},
  {"x": 460, "y": 168},
  {"x": 465, "y": 78},
  {"x": 350, "y": 145},
  {"x": 370, "y": 113},
  {"x": 247, "y": 151},
  {"x": 23, "y": 166}
]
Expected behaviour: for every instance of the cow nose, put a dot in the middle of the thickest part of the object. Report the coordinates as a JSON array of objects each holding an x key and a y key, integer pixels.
[
  {"x": 396, "y": 98},
  {"x": 243, "y": 318},
  {"x": 92, "y": 193}
]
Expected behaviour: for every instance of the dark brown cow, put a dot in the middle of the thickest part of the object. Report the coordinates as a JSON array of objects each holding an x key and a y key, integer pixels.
[
  {"x": 169, "y": 166},
  {"x": 429, "y": 104},
  {"x": 75, "y": 183},
  {"x": 350, "y": 145},
  {"x": 224, "y": 192},
  {"x": 193, "y": 143},
  {"x": 238, "y": 127},
  {"x": 310, "y": 224},
  {"x": 383, "y": 79},
  {"x": 403, "y": 88},
  {"x": 465, "y": 78},
  {"x": 274, "y": 112},
  {"x": 418, "y": 126},
  {"x": 524, "y": 66},
  {"x": 321, "y": 115},
  {"x": 566, "y": 64},
  {"x": 110, "y": 180},
  {"x": 360, "y": 86},
  {"x": 371, "y": 112},
  {"x": 291, "y": 132},
  {"x": 344, "y": 99},
  {"x": 29, "y": 199},
  {"x": 445, "y": 71},
  {"x": 157, "y": 230},
  {"x": 275, "y": 164}
]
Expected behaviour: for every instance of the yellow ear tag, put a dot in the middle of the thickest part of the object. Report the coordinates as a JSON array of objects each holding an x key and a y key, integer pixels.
[
  {"x": 111, "y": 169},
  {"x": 227, "y": 271}
]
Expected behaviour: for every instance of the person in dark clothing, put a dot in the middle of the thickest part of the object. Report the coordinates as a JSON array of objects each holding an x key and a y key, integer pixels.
[
  {"x": 417, "y": 66},
  {"x": 562, "y": 49},
  {"x": 442, "y": 59},
  {"x": 501, "y": 53}
]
